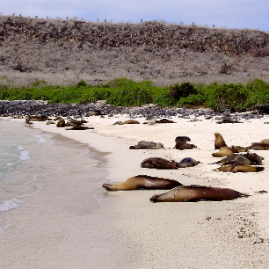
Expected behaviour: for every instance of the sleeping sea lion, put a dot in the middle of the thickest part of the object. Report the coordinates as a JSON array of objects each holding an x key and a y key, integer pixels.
[
  {"x": 195, "y": 193},
  {"x": 224, "y": 151},
  {"x": 126, "y": 122},
  {"x": 184, "y": 145},
  {"x": 240, "y": 168},
  {"x": 265, "y": 142},
  {"x": 237, "y": 149},
  {"x": 143, "y": 182},
  {"x": 158, "y": 163},
  {"x": 254, "y": 158},
  {"x": 219, "y": 141},
  {"x": 182, "y": 139},
  {"x": 187, "y": 162},
  {"x": 147, "y": 145},
  {"x": 164, "y": 121},
  {"x": 259, "y": 146},
  {"x": 235, "y": 159}
]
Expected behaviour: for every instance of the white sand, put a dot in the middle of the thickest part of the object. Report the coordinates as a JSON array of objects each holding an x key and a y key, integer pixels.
[{"x": 131, "y": 232}]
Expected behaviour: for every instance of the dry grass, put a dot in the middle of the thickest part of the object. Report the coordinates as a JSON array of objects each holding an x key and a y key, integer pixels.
[{"x": 65, "y": 51}]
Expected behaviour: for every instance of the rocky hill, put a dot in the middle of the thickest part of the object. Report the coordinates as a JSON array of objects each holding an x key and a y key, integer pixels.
[{"x": 64, "y": 51}]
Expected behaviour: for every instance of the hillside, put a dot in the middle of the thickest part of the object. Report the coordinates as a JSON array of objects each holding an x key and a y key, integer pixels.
[{"x": 66, "y": 51}]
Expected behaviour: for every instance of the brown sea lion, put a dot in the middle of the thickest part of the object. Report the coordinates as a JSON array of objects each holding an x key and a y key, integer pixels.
[
  {"x": 219, "y": 141},
  {"x": 254, "y": 158},
  {"x": 240, "y": 168},
  {"x": 143, "y": 182},
  {"x": 181, "y": 145},
  {"x": 195, "y": 193},
  {"x": 38, "y": 118},
  {"x": 237, "y": 149},
  {"x": 126, "y": 122},
  {"x": 224, "y": 151},
  {"x": 265, "y": 141},
  {"x": 235, "y": 159},
  {"x": 60, "y": 123},
  {"x": 228, "y": 120},
  {"x": 164, "y": 121},
  {"x": 78, "y": 127},
  {"x": 182, "y": 139},
  {"x": 259, "y": 146},
  {"x": 158, "y": 163},
  {"x": 147, "y": 145}
]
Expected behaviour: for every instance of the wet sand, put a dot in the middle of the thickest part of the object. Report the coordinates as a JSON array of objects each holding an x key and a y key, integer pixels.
[{"x": 127, "y": 230}]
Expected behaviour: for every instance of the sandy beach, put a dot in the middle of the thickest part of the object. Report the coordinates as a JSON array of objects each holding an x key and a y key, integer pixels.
[{"x": 129, "y": 231}]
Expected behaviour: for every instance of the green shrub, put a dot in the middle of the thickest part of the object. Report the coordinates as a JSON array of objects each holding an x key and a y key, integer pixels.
[
  {"x": 130, "y": 97},
  {"x": 183, "y": 90},
  {"x": 191, "y": 100}
]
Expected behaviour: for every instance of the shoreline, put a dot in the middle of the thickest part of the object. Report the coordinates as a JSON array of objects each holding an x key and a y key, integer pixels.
[{"x": 171, "y": 234}]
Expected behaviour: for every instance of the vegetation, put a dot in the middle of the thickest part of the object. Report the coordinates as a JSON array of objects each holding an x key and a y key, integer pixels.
[{"x": 126, "y": 92}]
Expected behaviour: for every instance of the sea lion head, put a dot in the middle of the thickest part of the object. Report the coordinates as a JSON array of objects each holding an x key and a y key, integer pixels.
[{"x": 219, "y": 141}]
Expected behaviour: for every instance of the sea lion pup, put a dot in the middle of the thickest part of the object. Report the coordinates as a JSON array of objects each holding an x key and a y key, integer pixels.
[
  {"x": 254, "y": 158},
  {"x": 224, "y": 151},
  {"x": 147, "y": 145},
  {"x": 187, "y": 162},
  {"x": 219, "y": 141},
  {"x": 184, "y": 145},
  {"x": 259, "y": 146},
  {"x": 235, "y": 159},
  {"x": 195, "y": 193},
  {"x": 158, "y": 163},
  {"x": 240, "y": 168},
  {"x": 143, "y": 182},
  {"x": 182, "y": 139}
]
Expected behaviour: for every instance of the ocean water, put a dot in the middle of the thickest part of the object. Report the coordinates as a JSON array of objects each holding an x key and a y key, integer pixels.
[{"x": 32, "y": 161}]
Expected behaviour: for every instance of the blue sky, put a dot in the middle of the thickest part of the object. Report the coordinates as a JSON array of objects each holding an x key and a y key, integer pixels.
[{"x": 238, "y": 14}]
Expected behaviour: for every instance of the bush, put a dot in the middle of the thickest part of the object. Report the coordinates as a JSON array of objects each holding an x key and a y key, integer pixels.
[
  {"x": 130, "y": 97},
  {"x": 183, "y": 90}
]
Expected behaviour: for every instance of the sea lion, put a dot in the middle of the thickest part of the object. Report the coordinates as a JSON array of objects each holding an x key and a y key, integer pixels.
[
  {"x": 143, "y": 182},
  {"x": 187, "y": 162},
  {"x": 240, "y": 168},
  {"x": 182, "y": 139},
  {"x": 147, "y": 145},
  {"x": 219, "y": 141},
  {"x": 78, "y": 127},
  {"x": 265, "y": 141},
  {"x": 126, "y": 122},
  {"x": 228, "y": 120},
  {"x": 195, "y": 193},
  {"x": 224, "y": 151},
  {"x": 254, "y": 158},
  {"x": 60, "y": 123},
  {"x": 181, "y": 145},
  {"x": 235, "y": 159},
  {"x": 237, "y": 149},
  {"x": 158, "y": 163},
  {"x": 153, "y": 121},
  {"x": 259, "y": 146},
  {"x": 164, "y": 121}
]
